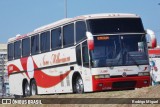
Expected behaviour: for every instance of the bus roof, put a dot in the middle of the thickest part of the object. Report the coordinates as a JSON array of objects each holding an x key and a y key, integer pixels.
[{"x": 67, "y": 20}]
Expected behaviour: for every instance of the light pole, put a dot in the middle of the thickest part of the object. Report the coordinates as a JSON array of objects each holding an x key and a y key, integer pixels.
[{"x": 65, "y": 9}]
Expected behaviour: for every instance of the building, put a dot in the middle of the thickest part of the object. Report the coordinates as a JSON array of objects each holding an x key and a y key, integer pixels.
[{"x": 3, "y": 69}]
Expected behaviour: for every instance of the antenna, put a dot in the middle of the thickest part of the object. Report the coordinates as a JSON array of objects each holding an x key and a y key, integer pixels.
[{"x": 65, "y": 9}]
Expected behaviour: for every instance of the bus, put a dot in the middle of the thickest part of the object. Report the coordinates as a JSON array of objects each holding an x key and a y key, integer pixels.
[
  {"x": 87, "y": 53},
  {"x": 154, "y": 57}
]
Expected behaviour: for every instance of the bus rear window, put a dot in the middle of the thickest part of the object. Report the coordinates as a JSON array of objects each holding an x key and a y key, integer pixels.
[{"x": 115, "y": 25}]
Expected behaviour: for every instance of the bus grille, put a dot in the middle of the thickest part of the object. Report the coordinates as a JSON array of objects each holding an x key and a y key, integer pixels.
[{"x": 124, "y": 84}]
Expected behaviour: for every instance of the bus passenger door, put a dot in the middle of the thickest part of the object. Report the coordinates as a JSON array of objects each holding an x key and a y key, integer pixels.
[{"x": 82, "y": 54}]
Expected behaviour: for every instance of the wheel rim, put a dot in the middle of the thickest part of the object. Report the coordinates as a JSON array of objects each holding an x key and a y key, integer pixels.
[
  {"x": 79, "y": 85},
  {"x": 33, "y": 89},
  {"x": 27, "y": 90}
]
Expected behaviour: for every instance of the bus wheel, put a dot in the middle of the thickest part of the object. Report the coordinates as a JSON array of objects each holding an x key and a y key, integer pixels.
[
  {"x": 79, "y": 87},
  {"x": 33, "y": 88},
  {"x": 26, "y": 90}
]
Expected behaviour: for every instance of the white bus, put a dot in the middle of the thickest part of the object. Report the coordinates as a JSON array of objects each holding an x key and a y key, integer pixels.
[
  {"x": 154, "y": 55},
  {"x": 83, "y": 54}
]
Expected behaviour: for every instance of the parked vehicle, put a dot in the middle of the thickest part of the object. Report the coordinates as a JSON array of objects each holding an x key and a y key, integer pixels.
[
  {"x": 154, "y": 57},
  {"x": 155, "y": 65},
  {"x": 82, "y": 54}
]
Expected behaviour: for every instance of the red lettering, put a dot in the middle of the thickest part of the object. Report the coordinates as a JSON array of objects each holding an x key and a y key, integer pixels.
[{"x": 55, "y": 59}]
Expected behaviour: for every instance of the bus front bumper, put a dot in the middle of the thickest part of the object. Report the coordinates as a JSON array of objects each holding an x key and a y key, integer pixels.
[{"x": 120, "y": 83}]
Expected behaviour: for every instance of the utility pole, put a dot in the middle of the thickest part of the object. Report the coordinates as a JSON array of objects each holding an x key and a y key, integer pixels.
[{"x": 65, "y": 8}]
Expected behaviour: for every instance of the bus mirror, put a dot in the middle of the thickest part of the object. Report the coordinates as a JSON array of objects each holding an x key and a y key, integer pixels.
[
  {"x": 90, "y": 40},
  {"x": 153, "y": 41},
  {"x": 141, "y": 46}
]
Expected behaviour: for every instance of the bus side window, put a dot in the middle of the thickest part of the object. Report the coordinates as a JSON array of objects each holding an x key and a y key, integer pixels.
[
  {"x": 17, "y": 49},
  {"x": 45, "y": 41},
  {"x": 80, "y": 31},
  {"x": 85, "y": 54},
  {"x": 10, "y": 51},
  {"x": 68, "y": 35},
  {"x": 26, "y": 47},
  {"x": 56, "y": 39},
  {"x": 78, "y": 55},
  {"x": 35, "y": 44}
]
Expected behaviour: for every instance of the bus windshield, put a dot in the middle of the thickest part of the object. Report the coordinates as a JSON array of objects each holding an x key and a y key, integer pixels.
[
  {"x": 119, "y": 50},
  {"x": 115, "y": 25}
]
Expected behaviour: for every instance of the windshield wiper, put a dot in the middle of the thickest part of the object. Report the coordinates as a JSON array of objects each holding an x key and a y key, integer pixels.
[
  {"x": 133, "y": 59},
  {"x": 130, "y": 56}
]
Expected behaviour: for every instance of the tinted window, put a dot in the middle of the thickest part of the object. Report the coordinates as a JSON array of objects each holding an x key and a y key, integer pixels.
[
  {"x": 116, "y": 25},
  {"x": 10, "y": 51},
  {"x": 56, "y": 38},
  {"x": 26, "y": 47},
  {"x": 45, "y": 41},
  {"x": 85, "y": 54},
  {"x": 80, "y": 31},
  {"x": 17, "y": 49},
  {"x": 119, "y": 50},
  {"x": 35, "y": 44},
  {"x": 68, "y": 35},
  {"x": 78, "y": 55}
]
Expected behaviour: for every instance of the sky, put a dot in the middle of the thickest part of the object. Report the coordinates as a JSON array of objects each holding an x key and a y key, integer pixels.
[{"x": 23, "y": 16}]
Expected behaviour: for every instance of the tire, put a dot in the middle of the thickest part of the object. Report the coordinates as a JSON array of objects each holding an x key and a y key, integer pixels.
[
  {"x": 79, "y": 87},
  {"x": 33, "y": 88},
  {"x": 26, "y": 89}
]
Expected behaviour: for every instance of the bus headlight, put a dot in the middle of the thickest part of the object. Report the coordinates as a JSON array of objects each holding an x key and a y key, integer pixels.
[
  {"x": 143, "y": 74},
  {"x": 102, "y": 76}
]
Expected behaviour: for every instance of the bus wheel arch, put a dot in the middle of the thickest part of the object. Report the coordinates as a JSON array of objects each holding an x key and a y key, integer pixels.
[
  {"x": 77, "y": 83},
  {"x": 33, "y": 87},
  {"x": 26, "y": 88}
]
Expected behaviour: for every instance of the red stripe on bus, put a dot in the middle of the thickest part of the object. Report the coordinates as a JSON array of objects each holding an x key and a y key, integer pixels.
[
  {"x": 46, "y": 81},
  {"x": 154, "y": 51},
  {"x": 24, "y": 65},
  {"x": 12, "y": 68}
]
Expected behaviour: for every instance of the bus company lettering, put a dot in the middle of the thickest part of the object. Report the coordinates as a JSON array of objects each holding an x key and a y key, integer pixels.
[
  {"x": 55, "y": 59},
  {"x": 45, "y": 62},
  {"x": 103, "y": 71},
  {"x": 126, "y": 70}
]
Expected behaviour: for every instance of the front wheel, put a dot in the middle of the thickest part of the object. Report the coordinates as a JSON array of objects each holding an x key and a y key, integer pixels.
[{"x": 79, "y": 87}]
